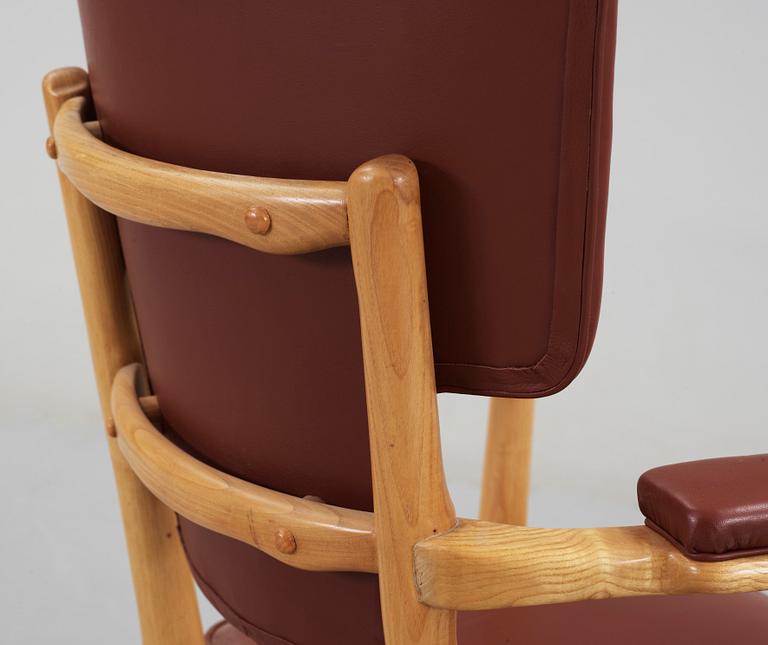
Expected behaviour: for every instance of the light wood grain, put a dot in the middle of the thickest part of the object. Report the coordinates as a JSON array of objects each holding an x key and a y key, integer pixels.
[
  {"x": 303, "y": 215},
  {"x": 507, "y": 470},
  {"x": 411, "y": 500},
  {"x": 482, "y": 565},
  {"x": 164, "y": 590},
  {"x": 323, "y": 537},
  {"x": 150, "y": 406}
]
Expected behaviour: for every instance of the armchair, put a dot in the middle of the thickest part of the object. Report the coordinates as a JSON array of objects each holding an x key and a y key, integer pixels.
[{"x": 223, "y": 310}]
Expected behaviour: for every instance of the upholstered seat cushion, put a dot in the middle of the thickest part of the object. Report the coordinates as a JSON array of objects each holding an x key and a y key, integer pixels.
[{"x": 661, "y": 620}]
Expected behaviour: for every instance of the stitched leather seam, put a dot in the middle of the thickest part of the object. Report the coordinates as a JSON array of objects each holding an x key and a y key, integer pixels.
[{"x": 550, "y": 353}]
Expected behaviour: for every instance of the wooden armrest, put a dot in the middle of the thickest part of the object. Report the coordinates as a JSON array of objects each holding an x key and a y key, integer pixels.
[{"x": 483, "y": 565}]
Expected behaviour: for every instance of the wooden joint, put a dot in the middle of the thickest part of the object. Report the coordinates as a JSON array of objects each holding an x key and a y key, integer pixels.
[
  {"x": 150, "y": 407},
  {"x": 258, "y": 221},
  {"x": 331, "y": 538},
  {"x": 60, "y": 85},
  {"x": 285, "y": 541}
]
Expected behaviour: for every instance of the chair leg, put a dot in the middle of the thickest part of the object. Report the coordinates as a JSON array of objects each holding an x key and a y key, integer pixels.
[
  {"x": 165, "y": 595},
  {"x": 162, "y": 581},
  {"x": 506, "y": 474}
]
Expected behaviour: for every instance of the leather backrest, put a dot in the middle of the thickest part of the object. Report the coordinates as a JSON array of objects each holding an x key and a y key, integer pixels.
[{"x": 504, "y": 105}]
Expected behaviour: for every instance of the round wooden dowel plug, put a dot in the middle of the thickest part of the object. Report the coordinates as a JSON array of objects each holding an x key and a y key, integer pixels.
[
  {"x": 50, "y": 147},
  {"x": 258, "y": 221},
  {"x": 285, "y": 541}
]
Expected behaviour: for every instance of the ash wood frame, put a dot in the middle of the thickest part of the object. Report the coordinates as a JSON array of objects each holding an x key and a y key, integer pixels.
[
  {"x": 429, "y": 563},
  {"x": 507, "y": 467}
]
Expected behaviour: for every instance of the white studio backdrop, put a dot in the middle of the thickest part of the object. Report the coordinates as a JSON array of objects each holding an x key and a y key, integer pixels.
[{"x": 679, "y": 366}]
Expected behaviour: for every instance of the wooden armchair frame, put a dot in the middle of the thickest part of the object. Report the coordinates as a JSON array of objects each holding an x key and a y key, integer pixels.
[{"x": 429, "y": 563}]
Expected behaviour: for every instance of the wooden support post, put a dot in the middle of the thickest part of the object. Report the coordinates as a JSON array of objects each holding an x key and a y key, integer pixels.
[
  {"x": 411, "y": 500},
  {"x": 164, "y": 590},
  {"x": 506, "y": 474}
]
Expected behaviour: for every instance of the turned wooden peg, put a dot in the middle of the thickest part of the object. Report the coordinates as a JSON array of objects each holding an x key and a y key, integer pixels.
[
  {"x": 258, "y": 221},
  {"x": 50, "y": 147},
  {"x": 285, "y": 541}
]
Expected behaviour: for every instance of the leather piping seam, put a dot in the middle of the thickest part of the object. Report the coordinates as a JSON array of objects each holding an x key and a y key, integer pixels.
[
  {"x": 584, "y": 261},
  {"x": 704, "y": 556}
]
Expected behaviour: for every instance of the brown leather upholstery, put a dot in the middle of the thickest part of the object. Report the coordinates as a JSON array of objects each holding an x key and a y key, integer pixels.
[
  {"x": 653, "y": 620},
  {"x": 274, "y": 603},
  {"x": 713, "y": 509},
  {"x": 505, "y": 108},
  {"x": 225, "y": 634}
]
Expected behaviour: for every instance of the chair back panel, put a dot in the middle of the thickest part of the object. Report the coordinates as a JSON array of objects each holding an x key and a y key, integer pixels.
[{"x": 505, "y": 108}]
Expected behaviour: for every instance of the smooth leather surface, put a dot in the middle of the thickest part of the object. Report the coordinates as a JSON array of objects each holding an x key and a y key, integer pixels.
[
  {"x": 224, "y": 633},
  {"x": 712, "y": 509},
  {"x": 274, "y": 603},
  {"x": 653, "y": 620},
  {"x": 505, "y": 108}
]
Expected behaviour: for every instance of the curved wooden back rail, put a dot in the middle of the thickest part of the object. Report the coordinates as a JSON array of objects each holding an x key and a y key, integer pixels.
[
  {"x": 271, "y": 215},
  {"x": 300, "y": 532}
]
